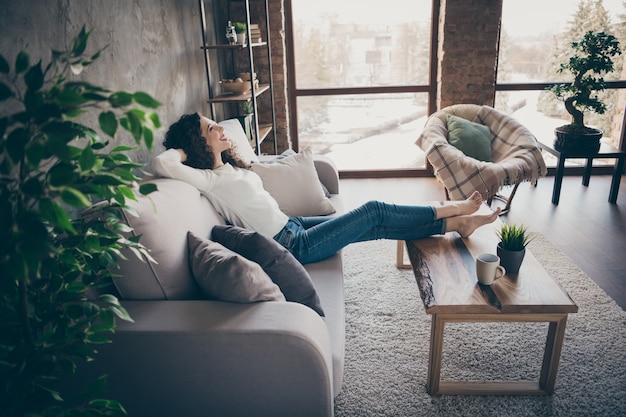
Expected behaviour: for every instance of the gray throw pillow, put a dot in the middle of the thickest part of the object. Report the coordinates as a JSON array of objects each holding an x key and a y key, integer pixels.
[
  {"x": 226, "y": 276},
  {"x": 473, "y": 139},
  {"x": 282, "y": 267}
]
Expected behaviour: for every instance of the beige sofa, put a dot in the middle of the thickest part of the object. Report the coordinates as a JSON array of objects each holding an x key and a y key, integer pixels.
[{"x": 189, "y": 356}]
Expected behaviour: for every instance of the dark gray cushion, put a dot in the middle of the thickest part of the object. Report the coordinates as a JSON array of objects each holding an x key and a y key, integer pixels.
[
  {"x": 282, "y": 267},
  {"x": 224, "y": 275}
]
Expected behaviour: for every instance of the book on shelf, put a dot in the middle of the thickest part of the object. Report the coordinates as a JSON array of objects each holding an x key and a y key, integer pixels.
[{"x": 255, "y": 33}]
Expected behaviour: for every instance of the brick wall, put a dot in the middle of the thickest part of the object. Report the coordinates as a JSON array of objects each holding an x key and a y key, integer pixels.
[
  {"x": 468, "y": 74},
  {"x": 279, "y": 72}
]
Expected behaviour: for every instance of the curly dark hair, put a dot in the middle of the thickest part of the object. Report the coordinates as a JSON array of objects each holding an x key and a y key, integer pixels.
[{"x": 186, "y": 134}]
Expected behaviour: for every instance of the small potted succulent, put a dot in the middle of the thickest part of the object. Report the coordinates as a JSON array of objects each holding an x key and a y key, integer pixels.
[
  {"x": 512, "y": 246},
  {"x": 591, "y": 59},
  {"x": 240, "y": 30}
]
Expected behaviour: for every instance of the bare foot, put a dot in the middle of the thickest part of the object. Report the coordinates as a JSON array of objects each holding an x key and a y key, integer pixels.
[
  {"x": 468, "y": 224},
  {"x": 468, "y": 206}
]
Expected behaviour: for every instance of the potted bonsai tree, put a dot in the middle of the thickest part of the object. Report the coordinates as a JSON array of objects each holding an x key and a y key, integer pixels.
[
  {"x": 57, "y": 244},
  {"x": 512, "y": 246},
  {"x": 592, "y": 58}
]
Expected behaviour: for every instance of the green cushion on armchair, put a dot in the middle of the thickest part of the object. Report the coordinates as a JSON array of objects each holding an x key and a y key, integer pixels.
[{"x": 473, "y": 139}]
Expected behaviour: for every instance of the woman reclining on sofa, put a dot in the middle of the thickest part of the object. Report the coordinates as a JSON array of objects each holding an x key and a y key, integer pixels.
[{"x": 200, "y": 154}]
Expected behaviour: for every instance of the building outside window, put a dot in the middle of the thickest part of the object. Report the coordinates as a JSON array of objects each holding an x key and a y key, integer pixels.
[{"x": 357, "y": 68}]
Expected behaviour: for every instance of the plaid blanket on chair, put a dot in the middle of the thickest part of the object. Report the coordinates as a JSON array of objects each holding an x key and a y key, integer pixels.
[{"x": 515, "y": 154}]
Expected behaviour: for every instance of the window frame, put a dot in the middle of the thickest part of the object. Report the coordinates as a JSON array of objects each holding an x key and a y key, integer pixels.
[{"x": 293, "y": 93}]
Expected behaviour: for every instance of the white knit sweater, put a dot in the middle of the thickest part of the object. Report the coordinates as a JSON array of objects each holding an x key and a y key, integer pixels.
[{"x": 237, "y": 194}]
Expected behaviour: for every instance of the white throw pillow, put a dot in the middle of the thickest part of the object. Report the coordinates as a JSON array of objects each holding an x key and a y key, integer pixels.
[
  {"x": 294, "y": 184},
  {"x": 234, "y": 131}
]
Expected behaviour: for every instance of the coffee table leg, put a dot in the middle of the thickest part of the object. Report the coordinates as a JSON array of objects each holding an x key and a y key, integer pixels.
[
  {"x": 552, "y": 354},
  {"x": 434, "y": 356},
  {"x": 549, "y": 367},
  {"x": 400, "y": 264}
]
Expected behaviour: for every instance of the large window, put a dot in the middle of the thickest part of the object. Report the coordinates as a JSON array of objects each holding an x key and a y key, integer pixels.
[
  {"x": 362, "y": 78},
  {"x": 532, "y": 46},
  {"x": 362, "y": 74}
]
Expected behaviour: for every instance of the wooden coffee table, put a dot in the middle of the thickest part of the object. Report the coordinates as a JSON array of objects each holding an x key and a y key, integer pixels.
[{"x": 444, "y": 269}]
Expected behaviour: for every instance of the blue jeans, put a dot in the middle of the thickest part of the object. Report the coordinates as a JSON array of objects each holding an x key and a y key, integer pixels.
[{"x": 311, "y": 239}]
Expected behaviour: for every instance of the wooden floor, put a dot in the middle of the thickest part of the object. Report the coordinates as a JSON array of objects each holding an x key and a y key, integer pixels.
[{"x": 585, "y": 226}]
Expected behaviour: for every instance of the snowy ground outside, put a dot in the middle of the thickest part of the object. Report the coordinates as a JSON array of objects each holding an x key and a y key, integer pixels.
[{"x": 392, "y": 146}]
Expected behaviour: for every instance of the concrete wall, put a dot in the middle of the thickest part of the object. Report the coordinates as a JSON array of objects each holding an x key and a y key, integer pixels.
[{"x": 153, "y": 46}]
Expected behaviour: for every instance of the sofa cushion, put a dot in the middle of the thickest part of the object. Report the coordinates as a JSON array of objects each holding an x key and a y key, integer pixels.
[
  {"x": 302, "y": 194},
  {"x": 163, "y": 219},
  {"x": 473, "y": 139},
  {"x": 226, "y": 276},
  {"x": 282, "y": 267},
  {"x": 270, "y": 159}
]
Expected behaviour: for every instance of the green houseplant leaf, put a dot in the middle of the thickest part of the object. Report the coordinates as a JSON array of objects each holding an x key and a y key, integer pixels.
[
  {"x": 108, "y": 123},
  {"x": 61, "y": 191},
  {"x": 514, "y": 237},
  {"x": 145, "y": 100},
  {"x": 240, "y": 27},
  {"x": 4, "y": 65}
]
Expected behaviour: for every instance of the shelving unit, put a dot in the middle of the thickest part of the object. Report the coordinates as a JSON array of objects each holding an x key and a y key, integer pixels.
[{"x": 262, "y": 131}]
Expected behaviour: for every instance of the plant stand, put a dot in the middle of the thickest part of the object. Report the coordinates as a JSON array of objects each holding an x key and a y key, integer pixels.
[{"x": 606, "y": 151}]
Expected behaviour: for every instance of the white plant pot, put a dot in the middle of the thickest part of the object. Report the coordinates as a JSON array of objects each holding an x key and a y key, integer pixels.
[{"x": 241, "y": 38}]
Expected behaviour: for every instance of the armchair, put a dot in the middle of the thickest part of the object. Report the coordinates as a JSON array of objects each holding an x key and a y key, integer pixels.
[{"x": 515, "y": 154}]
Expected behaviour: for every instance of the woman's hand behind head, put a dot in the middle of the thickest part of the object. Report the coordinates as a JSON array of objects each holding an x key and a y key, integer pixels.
[{"x": 183, "y": 155}]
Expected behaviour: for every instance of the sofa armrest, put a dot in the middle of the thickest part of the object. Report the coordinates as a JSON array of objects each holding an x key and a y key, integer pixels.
[
  {"x": 327, "y": 173},
  {"x": 199, "y": 358}
]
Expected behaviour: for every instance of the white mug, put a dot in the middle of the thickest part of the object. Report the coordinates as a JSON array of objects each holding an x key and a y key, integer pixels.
[{"x": 488, "y": 268}]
